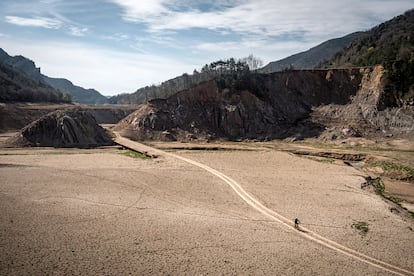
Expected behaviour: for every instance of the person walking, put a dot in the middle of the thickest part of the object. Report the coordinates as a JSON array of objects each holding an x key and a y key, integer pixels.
[{"x": 297, "y": 221}]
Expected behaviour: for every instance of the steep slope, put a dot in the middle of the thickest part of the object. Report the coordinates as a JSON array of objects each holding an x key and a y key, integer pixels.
[
  {"x": 388, "y": 42},
  {"x": 69, "y": 128},
  {"x": 392, "y": 45},
  {"x": 369, "y": 114},
  {"x": 309, "y": 103},
  {"x": 312, "y": 57},
  {"x": 17, "y": 87},
  {"x": 29, "y": 69}
]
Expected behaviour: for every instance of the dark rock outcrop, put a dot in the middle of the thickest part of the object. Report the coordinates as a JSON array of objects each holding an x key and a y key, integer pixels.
[
  {"x": 298, "y": 104},
  {"x": 14, "y": 116},
  {"x": 69, "y": 128}
]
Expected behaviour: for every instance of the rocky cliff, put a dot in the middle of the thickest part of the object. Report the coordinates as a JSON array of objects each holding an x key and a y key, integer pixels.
[
  {"x": 373, "y": 111},
  {"x": 306, "y": 103}
]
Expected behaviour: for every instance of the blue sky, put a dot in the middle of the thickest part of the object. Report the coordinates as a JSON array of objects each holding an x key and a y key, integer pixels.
[{"x": 117, "y": 46}]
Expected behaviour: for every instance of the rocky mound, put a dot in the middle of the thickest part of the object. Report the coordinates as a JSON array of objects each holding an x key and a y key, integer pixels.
[
  {"x": 68, "y": 128},
  {"x": 299, "y": 104},
  {"x": 15, "y": 116}
]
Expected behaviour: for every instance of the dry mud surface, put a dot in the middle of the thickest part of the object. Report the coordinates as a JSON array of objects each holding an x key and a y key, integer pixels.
[{"x": 100, "y": 212}]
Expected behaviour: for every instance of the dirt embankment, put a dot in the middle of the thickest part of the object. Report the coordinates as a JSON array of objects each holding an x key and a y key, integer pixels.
[{"x": 330, "y": 104}]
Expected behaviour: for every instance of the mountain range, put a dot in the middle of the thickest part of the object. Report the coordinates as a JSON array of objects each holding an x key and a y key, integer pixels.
[
  {"x": 18, "y": 87},
  {"x": 26, "y": 68},
  {"x": 313, "y": 57}
]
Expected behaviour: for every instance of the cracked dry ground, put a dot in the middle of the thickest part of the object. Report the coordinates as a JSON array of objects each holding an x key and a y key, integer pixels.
[{"x": 99, "y": 212}]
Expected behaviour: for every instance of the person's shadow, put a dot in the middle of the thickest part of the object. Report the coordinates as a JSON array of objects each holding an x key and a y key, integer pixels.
[{"x": 301, "y": 230}]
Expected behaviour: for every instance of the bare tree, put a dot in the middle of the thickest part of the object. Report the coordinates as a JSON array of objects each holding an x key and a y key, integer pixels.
[{"x": 253, "y": 62}]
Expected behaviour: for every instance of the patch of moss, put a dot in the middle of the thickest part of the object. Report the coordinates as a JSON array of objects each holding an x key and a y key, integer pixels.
[
  {"x": 135, "y": 154},
  {"x": 380, "y": 190},
  {"x": 361, "y": 226},
  {"x": 396, "y": 171}
]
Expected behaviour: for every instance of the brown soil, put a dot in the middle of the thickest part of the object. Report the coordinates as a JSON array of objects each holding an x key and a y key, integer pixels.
[{"x": 74, "y": 211}]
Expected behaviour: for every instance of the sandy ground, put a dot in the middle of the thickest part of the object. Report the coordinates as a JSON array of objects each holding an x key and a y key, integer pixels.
[{"x": 99, "y": 212}]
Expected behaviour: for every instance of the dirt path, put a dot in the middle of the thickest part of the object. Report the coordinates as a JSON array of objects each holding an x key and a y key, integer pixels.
[{"x": 257, "y": 205}]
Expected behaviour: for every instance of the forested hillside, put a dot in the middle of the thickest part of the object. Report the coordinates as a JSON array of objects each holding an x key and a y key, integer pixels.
[
  {"x": 390, "y": 44},
  {"x": 17, "y": 87},
  {"x": 312, "y": 57},
  {"x": 28, "y": 68}
]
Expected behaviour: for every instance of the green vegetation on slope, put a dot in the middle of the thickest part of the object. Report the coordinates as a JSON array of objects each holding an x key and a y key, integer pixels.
[
  {"x": 392, "y": 45},
  {"x": 16, "y": 87},
  {"x": 312, "y": 57},
  {"x": 395, "y": 171},
  {"x": 28, "y": 70}
]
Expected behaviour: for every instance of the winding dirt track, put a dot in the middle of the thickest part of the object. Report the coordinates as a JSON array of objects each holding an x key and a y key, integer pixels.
[{"x": 304, "y": 232}]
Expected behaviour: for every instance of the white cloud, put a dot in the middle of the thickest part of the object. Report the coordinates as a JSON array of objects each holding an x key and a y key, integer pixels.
[
  {"x": 116, "y": 37},
  {"x": 76, "y": 31},
  {"x": 48, "y": 23},
  {"x": 317, "y": 18},
  {"x": 140, "y": 10},
  {"x": 109, "y": 71}
]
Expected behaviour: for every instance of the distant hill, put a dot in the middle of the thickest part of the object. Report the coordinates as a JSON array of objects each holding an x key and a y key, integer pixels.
[
  {"x": 29, "y": 69},
  {"x": 312, "y": 57},
  {"x": 390, "y": 41},
  {"x": 17, "y": 87},
  {"x": 390, "y": 44},
  {"x": 79, "y": 94}
]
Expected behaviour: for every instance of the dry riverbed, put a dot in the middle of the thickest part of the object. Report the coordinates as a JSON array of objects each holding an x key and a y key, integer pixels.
[{"x": 71, "y": 211}]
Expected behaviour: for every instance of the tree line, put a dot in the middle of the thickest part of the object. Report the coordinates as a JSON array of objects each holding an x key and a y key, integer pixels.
[{"x": 228, "y": 73}]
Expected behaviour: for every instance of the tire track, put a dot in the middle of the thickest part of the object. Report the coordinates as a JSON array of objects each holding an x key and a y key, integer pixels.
[{"x": 257, "y": 205}]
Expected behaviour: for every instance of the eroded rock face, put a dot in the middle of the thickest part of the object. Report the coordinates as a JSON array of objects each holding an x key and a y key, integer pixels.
[
  {"x": 69, "y": 128},
  {"x": 298, "y": 104},
  {"x": 369, "y": 113},
  {"x": 201, "y": 112}
]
